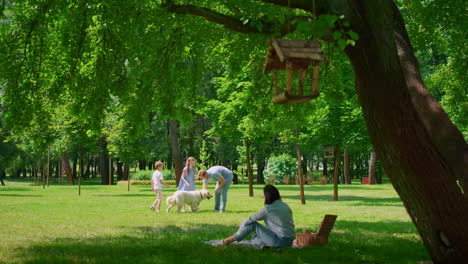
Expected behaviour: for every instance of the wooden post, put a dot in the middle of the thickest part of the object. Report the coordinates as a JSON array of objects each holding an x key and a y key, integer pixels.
[
  {"x": 315, "y": 78},
  {"x": 300, "y": 174},
  {"x": 275, "y": 82},
  {"x": 289, "y": 76},
  {"x": 336, "y": 170}
]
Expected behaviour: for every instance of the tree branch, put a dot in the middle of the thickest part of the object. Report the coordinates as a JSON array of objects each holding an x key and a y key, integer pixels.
[{"x": 235, "y": 24}]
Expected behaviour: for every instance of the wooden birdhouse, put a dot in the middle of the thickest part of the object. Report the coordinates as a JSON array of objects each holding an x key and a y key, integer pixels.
[
  {"x": 290, "y": 56},
  {"x": 329, "y": 152}
]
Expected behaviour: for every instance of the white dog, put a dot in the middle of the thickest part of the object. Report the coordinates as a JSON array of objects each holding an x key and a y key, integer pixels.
[{"x": 191, "y": 198}]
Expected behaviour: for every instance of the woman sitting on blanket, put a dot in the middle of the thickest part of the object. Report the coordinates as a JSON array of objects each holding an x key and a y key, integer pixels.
[{"x": 278, "y": 218}]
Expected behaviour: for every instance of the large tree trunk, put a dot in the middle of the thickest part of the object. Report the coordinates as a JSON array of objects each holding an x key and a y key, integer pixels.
[
  {"x": 249, "y": 167},
  {"x": 104, "y": 162},
  {"x": 175, "y": 148},
  {"x": 347, "y": 175},
  {"x": 371, "y": 175},
  {"x": 67, "y": 168},
  {"x": 420, "y": 149}
]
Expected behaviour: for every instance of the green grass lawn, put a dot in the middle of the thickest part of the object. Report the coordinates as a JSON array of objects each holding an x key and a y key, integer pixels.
[{"x": 107, "y": 224}]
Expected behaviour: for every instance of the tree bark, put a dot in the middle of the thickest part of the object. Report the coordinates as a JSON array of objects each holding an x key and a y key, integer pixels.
[
  {"x": 347, "y": 175},
  {"x": 336, "y": 173},
  {"x": 103, "y": 161},
  {"x": 142, "y": 164},
  {"x": 325, "y": 168},
  {"x": 420, "y": 149},
  {"x": 74, "y": 166},
  {"x": 81, "y": 164},
  {"x": 235, "y": 177},
  {"x": 299, "y": 173},
  {"x": 371, "y": 173},
  {"x": 119, "y": 170},
  {"x": 249, "y": 167},
  {"x": 260, "y": 160},
  {"x": 126, "y": 172},
  {"x": 67, "y": 168},
  {"x": 175, "y": 148},
  {"x": 2, "y": 174}
]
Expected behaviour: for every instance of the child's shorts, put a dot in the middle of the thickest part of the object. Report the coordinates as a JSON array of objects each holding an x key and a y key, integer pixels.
[{"x": 158, "y": 193}]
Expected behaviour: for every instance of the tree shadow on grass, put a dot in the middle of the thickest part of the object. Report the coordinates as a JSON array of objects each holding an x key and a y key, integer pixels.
[
  {"x": 19, "y": 195},
  {"x": 6, "y": 188},
  {"x": 173, "y": 244},
  {"x": 358, "y": 200}
]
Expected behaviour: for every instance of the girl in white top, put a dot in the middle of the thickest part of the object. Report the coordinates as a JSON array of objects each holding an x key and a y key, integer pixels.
[{"x": 156, "y": 185}]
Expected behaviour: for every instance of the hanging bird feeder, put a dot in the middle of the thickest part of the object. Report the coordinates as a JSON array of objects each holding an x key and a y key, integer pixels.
[
  {"x": 290, "y": 56},
  {"x": 329, "y": 151}
]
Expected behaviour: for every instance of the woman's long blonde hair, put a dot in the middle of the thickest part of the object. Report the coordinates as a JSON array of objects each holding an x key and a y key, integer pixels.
[{"x": 187, "y": 171}]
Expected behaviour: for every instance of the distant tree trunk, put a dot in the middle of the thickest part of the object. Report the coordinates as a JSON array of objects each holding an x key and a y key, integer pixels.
[
  {"x": 66, "y": 166},
  {"x": 249, "y": 167},
  {"x": 260, "y": 160},
  {"x": 119, "y": 170},
  {"x": 88, "y": 167},
  {"x": 48, "y": 167},
  {"x": 112, "y": 169},
  {"x": 347, "y": 176},
  {"x": 2, "y": 174},
  {"x": 336, "y": 173},
  {"x": 57, "y": 170},
  {"x": 235, "y": 179},
  {"x": 305, "y": 168},
  {"x": 175, "y": 147},
  {"x": 94, "y": 167},
  {"x": 81, "y": 163},
  {"x": 60, "y": 171},
  {"x": 150, "y": 165},
  {"x": 372, "y": 159},
  {"x": 299, "y": 174},
  {"x": 126, "y": 172},
  {"x": 142, "y": 164},
  {"x": 325, "y": 168},
  {"x": 75, "y": 165},
  {"x": 104, "y": 161}
]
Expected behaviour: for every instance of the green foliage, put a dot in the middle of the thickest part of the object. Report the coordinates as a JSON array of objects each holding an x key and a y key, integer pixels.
[
  {"x": 279, "y": 167},
  {"x": 145, "y": 175}
]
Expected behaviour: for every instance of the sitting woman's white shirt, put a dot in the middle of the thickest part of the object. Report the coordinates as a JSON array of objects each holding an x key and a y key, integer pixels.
[{"x": 277, "y": 216}]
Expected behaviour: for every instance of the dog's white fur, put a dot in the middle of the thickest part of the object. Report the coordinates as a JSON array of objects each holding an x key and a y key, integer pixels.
[{"x": 190, "y": 198}]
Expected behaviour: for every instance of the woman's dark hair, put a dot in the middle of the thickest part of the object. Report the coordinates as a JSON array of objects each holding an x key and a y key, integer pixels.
[{"x": 271, "y": 194}]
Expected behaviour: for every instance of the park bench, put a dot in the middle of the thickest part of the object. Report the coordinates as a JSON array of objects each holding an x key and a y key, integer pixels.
[{"x": 308, "y": 239}]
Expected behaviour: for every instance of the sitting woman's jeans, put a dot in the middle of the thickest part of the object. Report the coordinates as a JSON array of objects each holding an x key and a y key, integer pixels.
[{"x": 263, "y": 236}]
